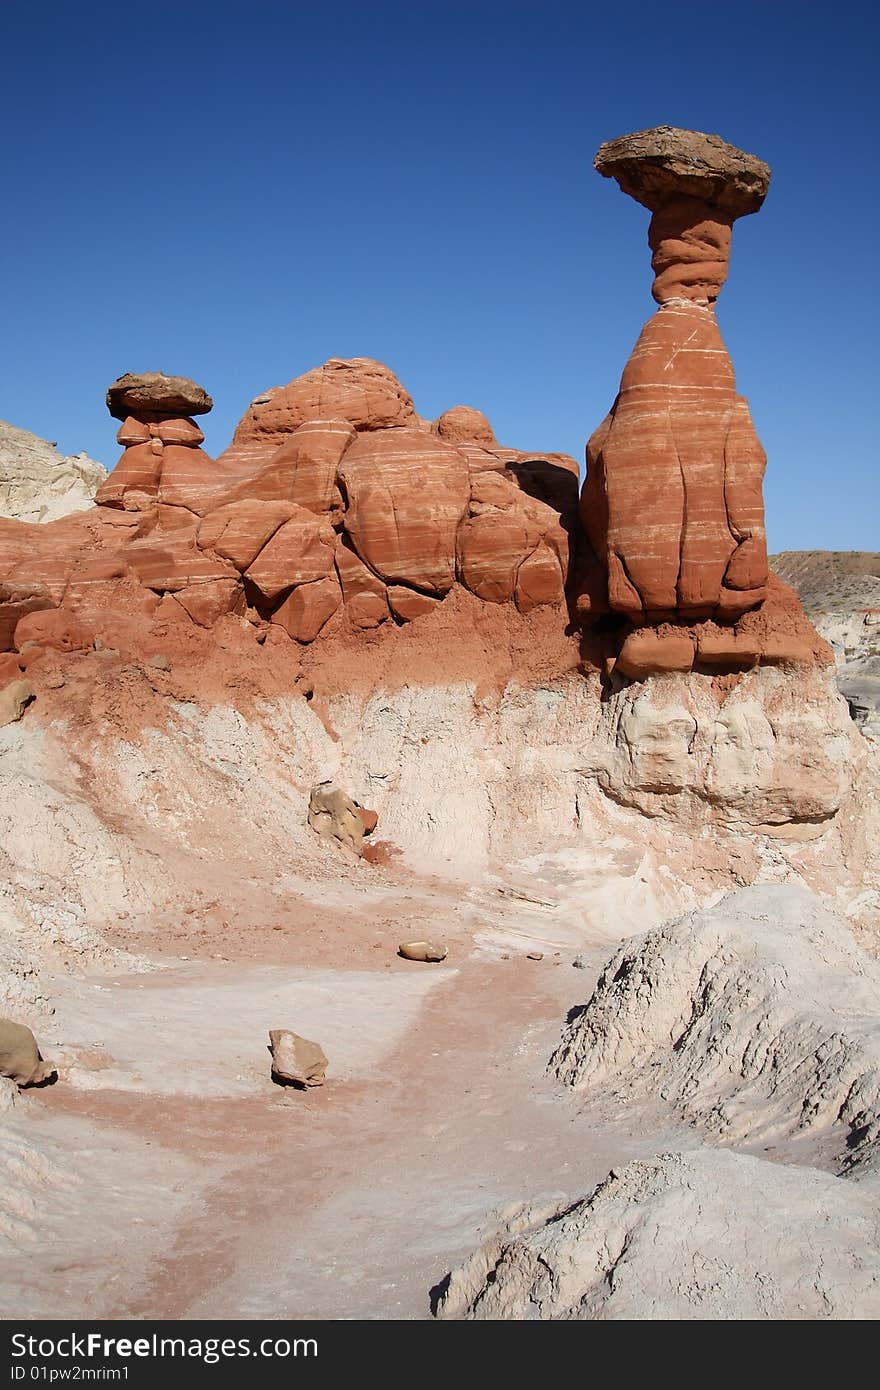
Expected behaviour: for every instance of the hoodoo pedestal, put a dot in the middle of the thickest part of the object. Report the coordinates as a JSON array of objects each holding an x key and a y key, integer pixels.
[
  {"x": 158, "y": 436},
  {"x": 672, "y": 502}
]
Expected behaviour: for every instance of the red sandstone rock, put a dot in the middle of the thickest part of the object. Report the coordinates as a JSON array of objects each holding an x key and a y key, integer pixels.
[
  {"x": 176, "y": 519},
  {"x": 139, "y": 470},
  {"x": 168, "y": 610},
  {"x": 690, "y": 241},
  {"x": 360, "y": 391},
  {"x": 133, "y": 431},
  {"x": 38, "y": 558},
  {"x": 16, "y": 602},
  {"x": 306, "y": 610},
  {"x": 406, "y": 493},
  {"x": 464, "y": 425},
  {"x": 553, "y": 479},
  {"x": 208, "y": 601},
  {"x": 672, "y": 501},
  {"x": 111, "y": 521},
  {"x": 171, "y": 563},
  {"x": 782, "y": 616},
  {"x": 91, "y": 575},
  {"x": 539, "y": 580},
  {"x": 502, "y": 531},
  {"x": 495, "y": 539},
  {"x": 56, "y": 629},
  {"x": 482, "y": 460},
  {"x": 161, "y": 459},
  {"x": 238, "y": 531},
  {"x": 367, "y": 610},
  {"x": 366, "y": 600},
  {"x": 672, "y": 506},
  {"x": 407, "y": 604},
  {"x": 300, "y": 551},
  {"x": 304, "y": 468},
  {"x": 648, "y": 650},
  {"x": 782, "y": 650},
  {"x": 12, "y": 668},
  {"x": 177, "y": 430},
  {"x": 188, "y": 478},
  {"x": 727, "y": 648}
]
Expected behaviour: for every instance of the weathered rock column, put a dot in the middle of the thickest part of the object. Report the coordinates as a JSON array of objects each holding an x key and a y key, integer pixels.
[
  {"x": 672, "y": 501},
  {"x": 162, "y": 443}
]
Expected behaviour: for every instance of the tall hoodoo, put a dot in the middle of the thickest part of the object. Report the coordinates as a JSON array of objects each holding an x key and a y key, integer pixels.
[{"x": 672, "y": 501}]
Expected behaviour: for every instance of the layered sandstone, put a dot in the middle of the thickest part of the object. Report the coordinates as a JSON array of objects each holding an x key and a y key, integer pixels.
[
  {"x": 336, "y": 508},
  {"x": 348, "y": 522},
  {"x": 361, "y": 391},
  {"x": 672, "y": 502}
]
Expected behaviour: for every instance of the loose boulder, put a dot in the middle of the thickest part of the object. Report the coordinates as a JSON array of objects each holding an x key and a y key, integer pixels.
[
  {"x": 334, "y": 815},
  {"x": 296, "y": 1059},
  {"x": 423, "y": 951},
  {"x": 20, "y": 1058},
  {"x": 14, "y": 699},
  {"x": 142, "y": 394}
]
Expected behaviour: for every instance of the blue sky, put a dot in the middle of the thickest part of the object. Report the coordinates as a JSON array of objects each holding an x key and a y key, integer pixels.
[{"x": 238, "y": 191}]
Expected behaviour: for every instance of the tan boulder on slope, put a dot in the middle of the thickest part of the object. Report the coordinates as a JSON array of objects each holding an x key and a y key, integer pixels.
[{"x": 20, "y": 1058}]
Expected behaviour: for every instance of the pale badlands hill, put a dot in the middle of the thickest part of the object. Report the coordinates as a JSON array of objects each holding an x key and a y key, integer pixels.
[
  {"x": 38, "y": 483},
  {"x": 831, "y": 579}
]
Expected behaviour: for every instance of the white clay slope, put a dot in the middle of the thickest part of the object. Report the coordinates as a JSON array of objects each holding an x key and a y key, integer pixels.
[
  {"x": 37, "y": 483},
  {"x": 756, "y": 1020},
  {"x": 685, "y": 1236}
]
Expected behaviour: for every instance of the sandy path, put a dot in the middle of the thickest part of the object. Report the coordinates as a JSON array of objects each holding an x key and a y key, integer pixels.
[
  {"x": 360, "y": 1216},
  {"x": 226, "y": 1196}
]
